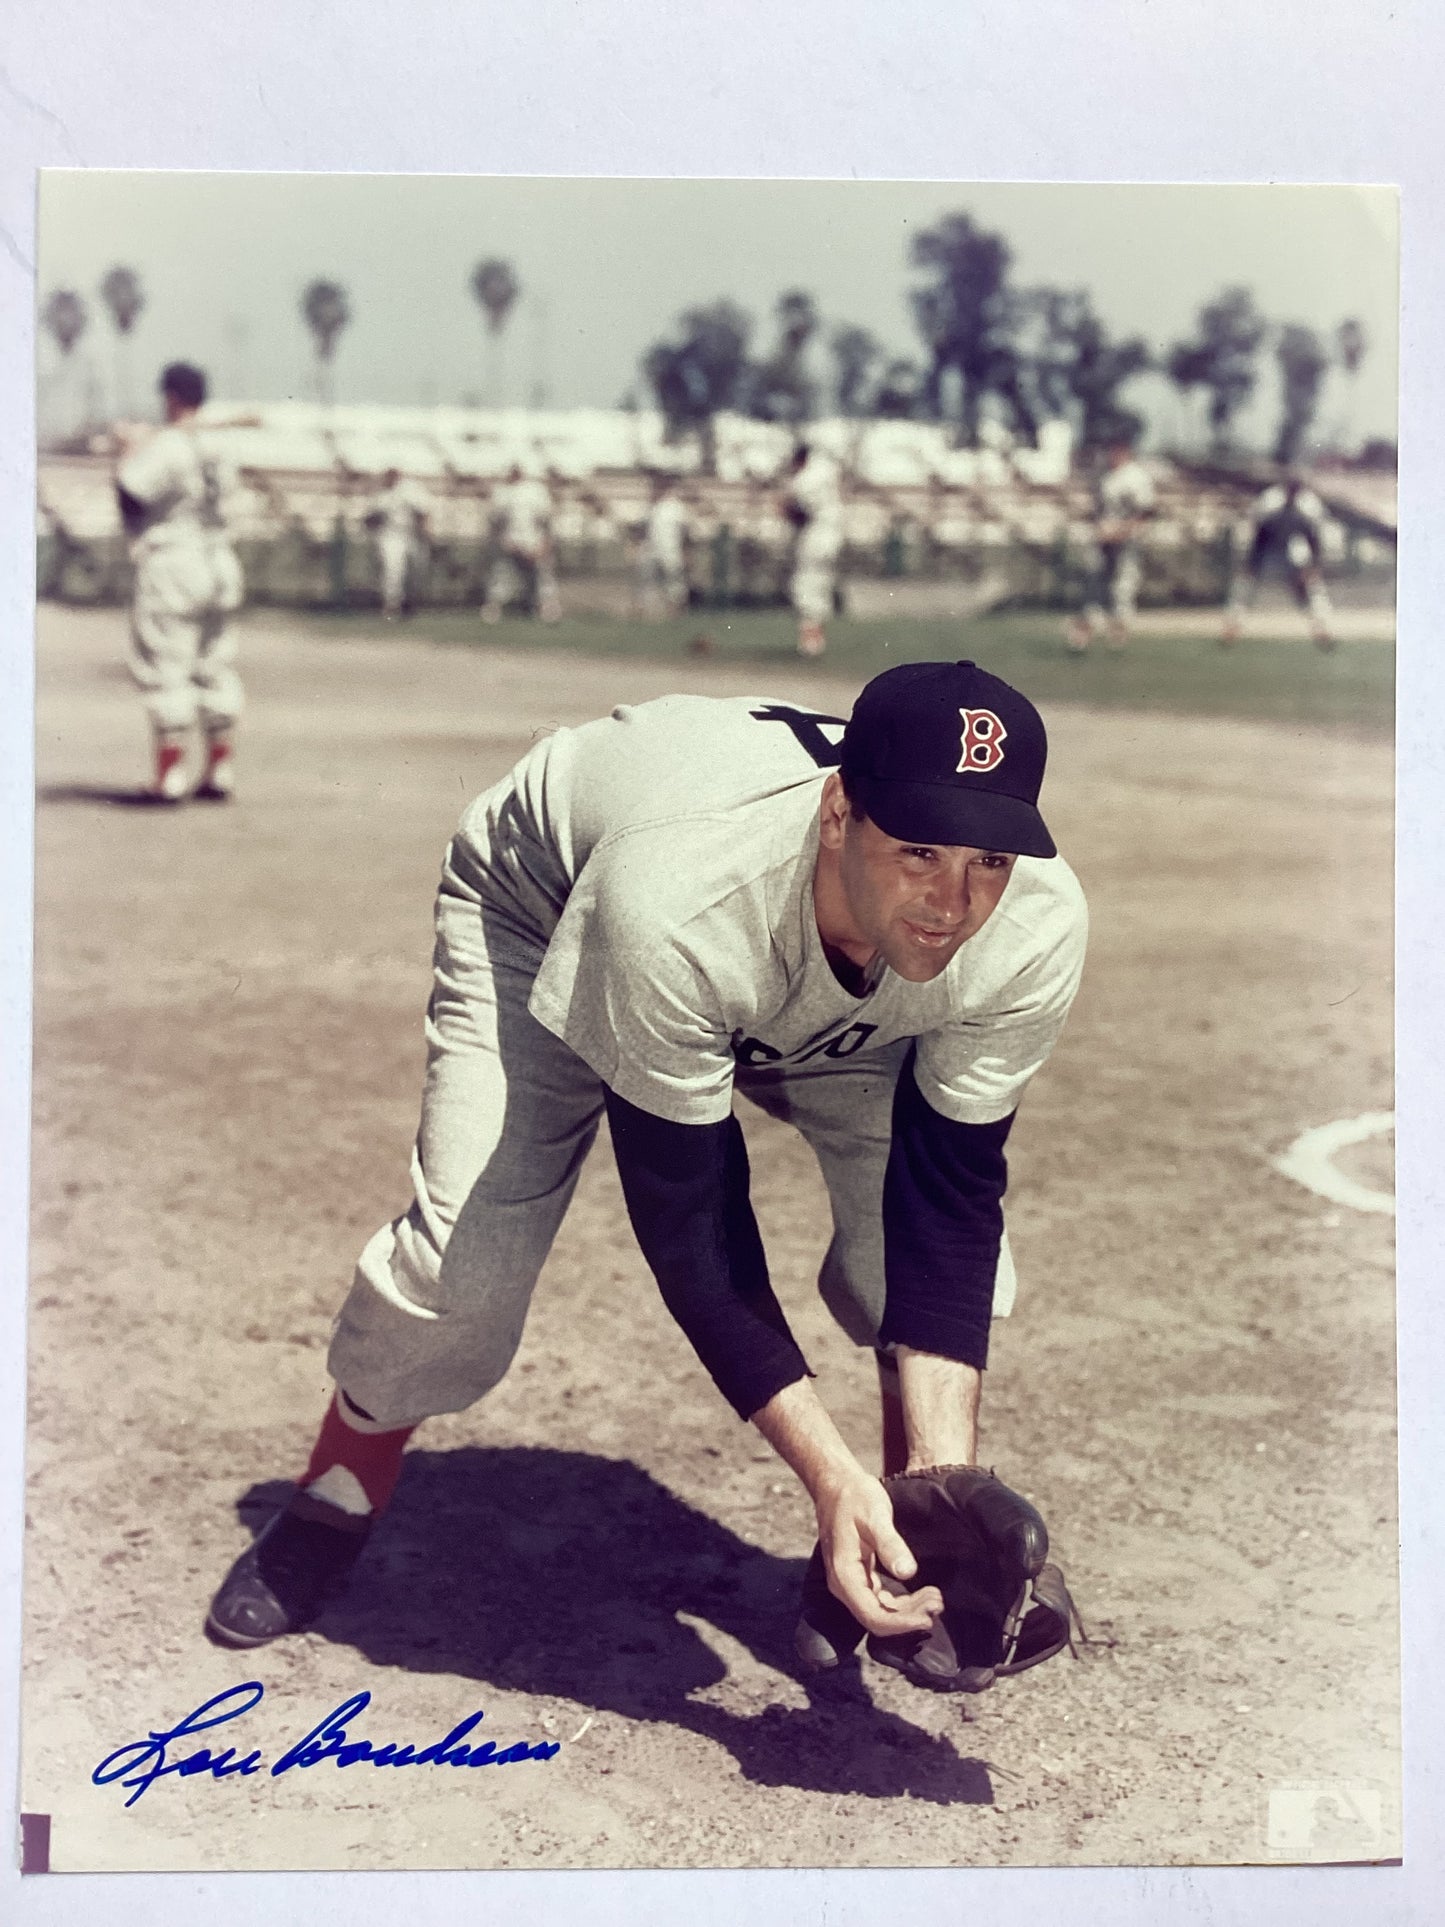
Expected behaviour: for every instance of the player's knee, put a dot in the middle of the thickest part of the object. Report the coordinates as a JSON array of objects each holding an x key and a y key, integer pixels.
[{"x": 853, "y": 1291}]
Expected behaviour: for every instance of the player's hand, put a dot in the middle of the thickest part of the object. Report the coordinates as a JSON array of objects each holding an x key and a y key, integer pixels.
[{"x": 868, "y": 1562}]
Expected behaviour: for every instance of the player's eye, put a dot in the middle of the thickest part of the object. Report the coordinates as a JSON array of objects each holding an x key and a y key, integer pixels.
[{"x": 993, "y": 859}]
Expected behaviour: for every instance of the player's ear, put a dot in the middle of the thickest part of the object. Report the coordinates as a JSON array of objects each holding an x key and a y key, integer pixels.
[{"x": 833, "y": 813}]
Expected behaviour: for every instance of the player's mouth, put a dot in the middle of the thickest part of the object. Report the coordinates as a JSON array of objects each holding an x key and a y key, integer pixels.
[{"x": 928, "y": 938}]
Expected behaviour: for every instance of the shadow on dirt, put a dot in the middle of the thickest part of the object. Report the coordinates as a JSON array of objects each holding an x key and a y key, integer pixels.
[
  {"x": 127, "y": 799},
  {"x": 562, "y": 1574}
]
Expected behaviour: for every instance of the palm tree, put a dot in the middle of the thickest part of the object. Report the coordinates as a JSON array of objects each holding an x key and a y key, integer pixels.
[
  {"x": 65, "y": 316},
  {"x": 67, "y": 393},
  {"x": 495, "y": 287},
  {"x": 122, "y": 293},
  {"x": 1351, "y": 346},
  {"x": 779, "y": 389},
  {"x": 855, "y": 353},
  {"x": 326, "y": 309},
  {"x": 1220, "y": 358}
]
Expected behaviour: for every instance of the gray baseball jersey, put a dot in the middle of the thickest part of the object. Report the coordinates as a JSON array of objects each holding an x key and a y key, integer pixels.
[{"x": 667, "y": 854}]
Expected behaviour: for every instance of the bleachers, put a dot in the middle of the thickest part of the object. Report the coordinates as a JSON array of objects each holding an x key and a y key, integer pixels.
[{"x": 915, "y": 507}]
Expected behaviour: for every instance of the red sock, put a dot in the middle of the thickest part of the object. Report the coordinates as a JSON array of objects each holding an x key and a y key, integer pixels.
[{"x": 372, "y": 1458}]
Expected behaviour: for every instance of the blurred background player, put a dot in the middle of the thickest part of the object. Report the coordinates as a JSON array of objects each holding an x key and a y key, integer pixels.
[
  {"x": 522, "y": 571},
  {"x": 663, "y": 561},
  {"x": 814, "y": 505},
  {"x": 397, "y": 520},
  {"x": 1124, "y": 499},
  {"x": 1285, "y": 526},
  {"x": 172, "y": 491}
]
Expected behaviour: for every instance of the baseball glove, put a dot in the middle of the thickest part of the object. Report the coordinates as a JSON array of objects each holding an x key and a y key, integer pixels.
[{"x": 985, "y": 1548}]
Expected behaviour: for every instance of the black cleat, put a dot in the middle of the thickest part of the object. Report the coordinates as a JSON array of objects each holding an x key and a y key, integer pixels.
[{"x": 283, "y": 1579}]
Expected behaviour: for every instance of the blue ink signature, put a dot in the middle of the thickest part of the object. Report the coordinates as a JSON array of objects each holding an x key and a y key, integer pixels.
[{"x": 145, "y": 1760}]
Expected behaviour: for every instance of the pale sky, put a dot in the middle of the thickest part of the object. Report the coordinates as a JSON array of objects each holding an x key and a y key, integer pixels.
[{"x": 605, "y": 266}]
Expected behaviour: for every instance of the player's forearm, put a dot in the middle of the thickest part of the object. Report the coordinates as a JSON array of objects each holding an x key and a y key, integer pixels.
[
  {"x": 796, "y": 1425},
  {"x": 863, "y": 1552},
  {"x": 940, "y": 1408}
]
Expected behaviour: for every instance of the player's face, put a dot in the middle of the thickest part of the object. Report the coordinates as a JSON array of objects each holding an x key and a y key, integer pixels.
[{"x": 915, "y": 904}]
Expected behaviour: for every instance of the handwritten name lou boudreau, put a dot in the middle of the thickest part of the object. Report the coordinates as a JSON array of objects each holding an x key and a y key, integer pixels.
[{"x": 145, "y": 1761}]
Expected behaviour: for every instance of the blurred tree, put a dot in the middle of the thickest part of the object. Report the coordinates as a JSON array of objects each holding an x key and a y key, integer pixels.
[
  {"x": 495, "y": 287},
  {"x": 780, "y": 388},
  {"x": 67, "y": 401},
  {"x": 1229, "y": 332},
  {"x": 797, "y": 317},
  {"x": 1351, "y": 346},
  {"x": 122, "y": 294},
  {"x": 1091, "y": 368},
  {"x": 962, "y": 312},
  {"x": 1303, "y": 360},
  {"x": 1052, "y": 358},
  {"x": 701, "y": 373},
  {"x": 854, "y": 351},
  {"x": 326, "y": 310},
  {"x": 65, "y": 318}
]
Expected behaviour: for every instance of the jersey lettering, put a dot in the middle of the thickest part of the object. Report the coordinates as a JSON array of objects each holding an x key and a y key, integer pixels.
[
  {"x": 981, "y": 748},
  {"x": 752, "y": 1051},
  {"x": 807, "y": 726},
  {"x": 843, "y": 1045}
]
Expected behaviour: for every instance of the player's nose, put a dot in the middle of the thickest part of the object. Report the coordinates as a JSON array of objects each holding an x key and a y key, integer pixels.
[{"x": 949, "y": 896}]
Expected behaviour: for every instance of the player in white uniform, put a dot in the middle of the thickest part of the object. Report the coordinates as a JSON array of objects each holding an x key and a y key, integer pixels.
[
  {"x": 172, "y": 493},
  {"x": 683, "y": 902},
  {"x": 522, "y": 520},
  {"x": 397, "y": 519},
  {"x": 663, "y": 563},
  {"x": 814, "y": 505},
  {"x": 1124, "y": 499},
  {"x": 1285, "y": 528}
]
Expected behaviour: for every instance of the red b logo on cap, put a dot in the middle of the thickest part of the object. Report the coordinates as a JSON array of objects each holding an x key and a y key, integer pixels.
[{"x": 983, "y": 739}]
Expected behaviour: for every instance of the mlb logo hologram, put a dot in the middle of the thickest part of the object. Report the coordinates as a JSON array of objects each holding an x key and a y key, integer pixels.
[{"x": 1324, "y": 1820}]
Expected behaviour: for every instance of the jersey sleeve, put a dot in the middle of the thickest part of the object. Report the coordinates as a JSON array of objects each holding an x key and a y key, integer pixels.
[
  {"x": 686, "y": 1189},
  {"x": 637, "y": 998},
  {"x": 975, "y": 1068},
  {"x": 147, "y": 474}
]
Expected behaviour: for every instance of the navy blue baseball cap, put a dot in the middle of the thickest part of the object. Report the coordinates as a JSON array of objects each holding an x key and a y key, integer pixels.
[{"x": 943, "y": 752}]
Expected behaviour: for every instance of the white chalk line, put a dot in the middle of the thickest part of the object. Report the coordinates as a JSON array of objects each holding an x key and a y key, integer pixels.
[{"x": 1310, "y": 1161}]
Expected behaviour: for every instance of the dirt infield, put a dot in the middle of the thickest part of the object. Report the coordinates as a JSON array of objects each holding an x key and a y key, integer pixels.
[{"x": 1197, "y": 1387}]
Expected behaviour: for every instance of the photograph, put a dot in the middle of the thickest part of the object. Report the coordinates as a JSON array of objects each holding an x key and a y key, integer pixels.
[{"x": 713, "y": 1031}]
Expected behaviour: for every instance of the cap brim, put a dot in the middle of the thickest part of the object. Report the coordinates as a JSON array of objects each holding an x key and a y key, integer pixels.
[{"x": 948, "y": 814}]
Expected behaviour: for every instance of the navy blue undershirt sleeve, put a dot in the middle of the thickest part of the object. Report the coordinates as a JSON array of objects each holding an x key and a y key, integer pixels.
[
  {"x": 942, "y": 1227},
  {"x": 686, "y": 1187}
]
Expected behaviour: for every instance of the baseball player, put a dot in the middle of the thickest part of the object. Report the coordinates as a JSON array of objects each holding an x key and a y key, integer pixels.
[
  {"x": 397, "y": 519},
  {"x": 1285, "y": 528},
  {"x": 172, "y": 492},
  {"x": 663, "y": 563},
  {"x": 864, "y": 931},
  {"x": 813, "y": 503},
  {"x": 1124, "y": 499},
  {"x": 522, "y": 522}
]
